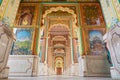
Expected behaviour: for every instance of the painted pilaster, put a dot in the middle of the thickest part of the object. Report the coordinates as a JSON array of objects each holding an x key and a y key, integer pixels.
[
  {"x": 75, "y": 51},
  {"x": 79, "y": 34},
  {"x": 71, "y": 42},
  {"x": 11, "y": 11},
  {"x": 46, "y": 50},
  {"x": 41, "y": 29},
  {"x": 3, "y": 7}
]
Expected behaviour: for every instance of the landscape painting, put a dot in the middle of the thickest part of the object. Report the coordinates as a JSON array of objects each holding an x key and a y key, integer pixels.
[{"x": 23, "y": 43}]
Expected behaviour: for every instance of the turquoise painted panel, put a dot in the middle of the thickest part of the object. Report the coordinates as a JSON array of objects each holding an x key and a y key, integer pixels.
[
  {"x": 1, "y": 2},
  {"x": 119, "y": 1}
]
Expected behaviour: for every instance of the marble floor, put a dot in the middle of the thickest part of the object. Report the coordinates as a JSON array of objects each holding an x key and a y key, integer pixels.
[{"x": 59, "y": 78}]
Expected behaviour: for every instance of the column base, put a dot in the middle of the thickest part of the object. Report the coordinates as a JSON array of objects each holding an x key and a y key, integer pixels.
[
  {"x": 4, "y": 73},
  {"x": 114, "y": 74},
  {"x": 44, "y": 70}
]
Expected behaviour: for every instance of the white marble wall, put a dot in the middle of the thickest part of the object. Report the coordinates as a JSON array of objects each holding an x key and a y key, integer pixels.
[
  {"x": 96, "y": 66},
  {"x": 23, "y": 65}
]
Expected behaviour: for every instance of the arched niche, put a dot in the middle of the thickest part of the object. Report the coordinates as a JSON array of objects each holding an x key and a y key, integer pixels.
[{"x": 26, "y": 18}]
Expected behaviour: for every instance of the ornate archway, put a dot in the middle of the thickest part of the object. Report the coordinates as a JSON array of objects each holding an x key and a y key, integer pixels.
[{"x": 64, "y": 9}]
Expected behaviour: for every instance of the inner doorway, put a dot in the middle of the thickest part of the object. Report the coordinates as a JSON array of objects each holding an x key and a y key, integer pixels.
[
  {"x": 59, "y": 65},
  {"x": 59, "y": 71}
]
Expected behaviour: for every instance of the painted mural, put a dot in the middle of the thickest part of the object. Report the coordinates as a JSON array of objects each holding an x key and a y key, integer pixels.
[
  {"x": 94, "y": 18},
  {"x": 96, "y": 42},
  {"x": 23, "y": 43}
]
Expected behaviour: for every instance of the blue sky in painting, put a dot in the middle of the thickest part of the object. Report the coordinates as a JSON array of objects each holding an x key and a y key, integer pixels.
[
  {"x": 23, "y": 35},
  {"x": 95, "y": 33}
]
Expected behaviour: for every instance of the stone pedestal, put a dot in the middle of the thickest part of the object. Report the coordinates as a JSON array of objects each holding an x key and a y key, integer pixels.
[
  {"x": 96, "y": 66},
  {"x": 4, "y": 73},
  {"x": 112, "y": 39},
  {"x": 6, "y": 40},
  {"x": 44, "y": 70},
  {"x": 73, "y": 70},
  {"x": 81, "y": 66},
  {"x": 23, "y": 65}
]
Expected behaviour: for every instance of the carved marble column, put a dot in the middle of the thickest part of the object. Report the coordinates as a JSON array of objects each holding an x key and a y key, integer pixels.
[
  {"x": 112, "y": 38},
  {"x": 6, "y": 39}
]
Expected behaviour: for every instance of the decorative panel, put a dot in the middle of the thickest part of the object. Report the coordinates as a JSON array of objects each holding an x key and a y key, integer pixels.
[
  {"x": 23, "y": 65},
  {"x": 23, "y": 44},
  {"x": 27, "y": 14},
  {"x": 91, "y": 14}
]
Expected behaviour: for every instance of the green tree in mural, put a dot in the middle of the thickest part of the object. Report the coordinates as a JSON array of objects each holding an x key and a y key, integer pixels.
[{"x": 1, "y": 2}]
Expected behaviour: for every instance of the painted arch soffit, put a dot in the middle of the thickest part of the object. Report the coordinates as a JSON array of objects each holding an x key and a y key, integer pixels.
[
  {"x": 59, "y": 38},
  {"x": 63, "y": 27},
  {"x": 55, "y": 9},
  {"x": 59, "y": 24}
]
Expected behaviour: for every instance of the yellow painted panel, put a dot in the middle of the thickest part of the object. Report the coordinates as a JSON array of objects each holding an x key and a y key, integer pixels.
[
  {"x": 3, "y": 8},
  {"x": 116, "y": 5}
]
